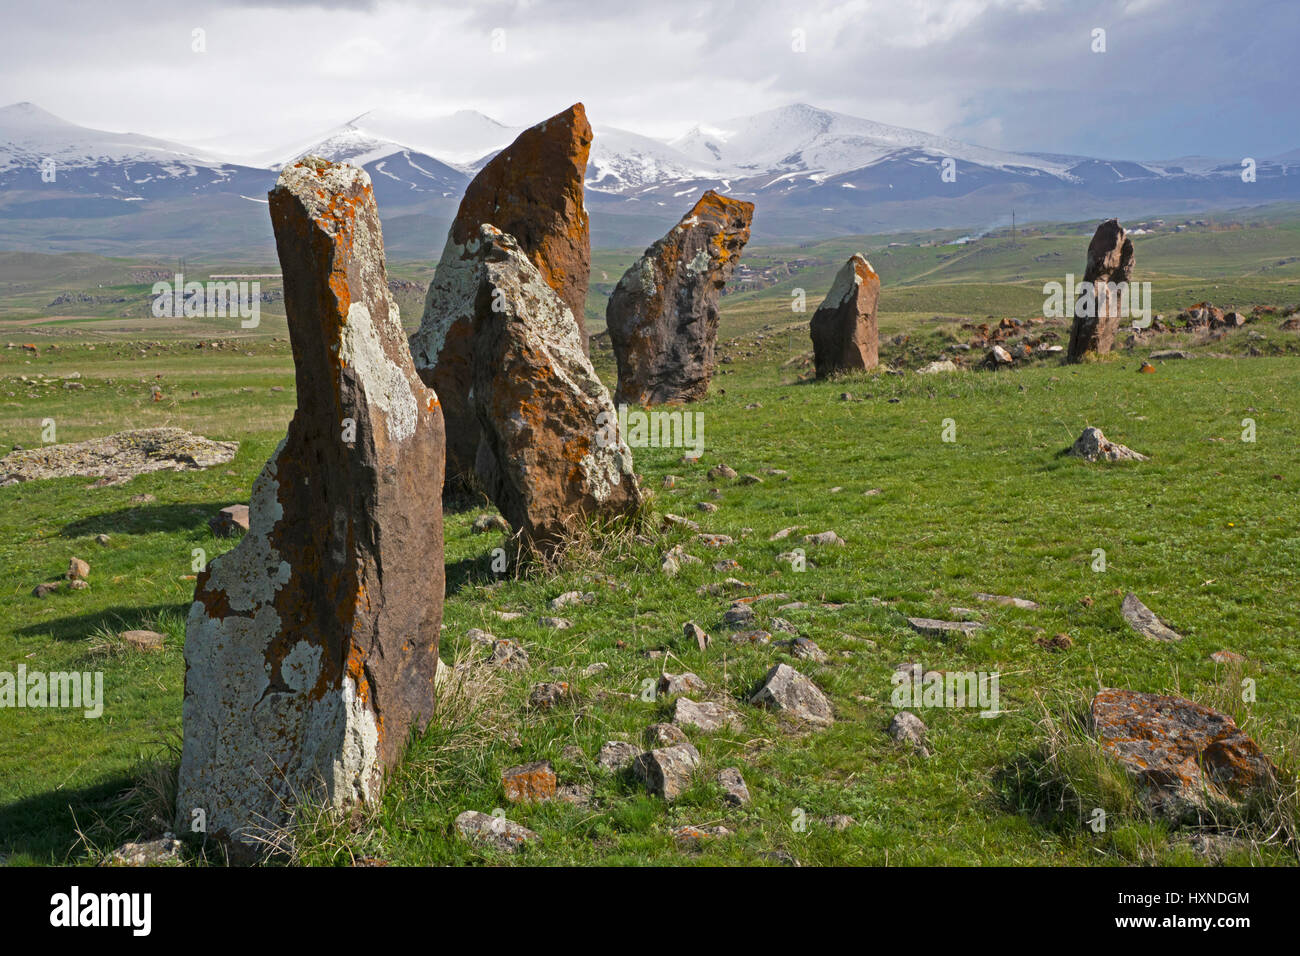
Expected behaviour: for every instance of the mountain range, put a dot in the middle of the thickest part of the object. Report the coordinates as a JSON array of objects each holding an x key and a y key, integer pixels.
[{"x": 812, "y": 173}]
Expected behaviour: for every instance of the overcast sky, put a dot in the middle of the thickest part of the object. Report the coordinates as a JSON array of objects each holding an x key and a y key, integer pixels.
[{"x": 1178, "y": 77}]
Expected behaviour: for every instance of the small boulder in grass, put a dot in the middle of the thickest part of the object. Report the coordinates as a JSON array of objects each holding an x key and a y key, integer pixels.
[
  {"x": 78, "y": 570},
  {"x": 144, "y": 640},
  {"x": 490, "y": 522},
  {"x": 229, "y": 521},
  {"x": 1143, "y": 620},
  {"x": 493, "y": 832},
  {"x": 1186, "y": 757},
  {"x": 693, "y": 632},
  {"x": 667, "y": 772},
  {"x": 615, "y": 755},
  {"x": 733, "y": 786},
  {"x": 530, "y": 782},
  {"x": 1092, "y": 445},
  {"x": 825, "y": 537},
  {"x": 785, "y": 690},
  {"x": 909, "y": 729}
]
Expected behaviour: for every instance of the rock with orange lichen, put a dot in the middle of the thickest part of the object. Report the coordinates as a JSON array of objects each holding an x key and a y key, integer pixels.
[
  {"x": 551, "y": 457},
  {"x": 530, "y": 782},
  {"x": 663, "y": 314},
  {"x": 844, "y": 333},
  {"x": 1185, "y": 756},
  {"x": 311, "y": 648},
  {"x": 1098, "y": 311},
  {"x": 531, "y": 190}
]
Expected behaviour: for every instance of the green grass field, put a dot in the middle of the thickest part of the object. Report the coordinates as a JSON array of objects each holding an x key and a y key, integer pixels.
[{"x": 1206, "y": 532}]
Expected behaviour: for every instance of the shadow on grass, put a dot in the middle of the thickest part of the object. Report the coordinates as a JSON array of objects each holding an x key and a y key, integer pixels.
[
  {"x": 146, "y": 519},
  {"x": 469, "y": 572},
  {"x": 42, "y": 829},
  {"x": 81, "y": 626}
]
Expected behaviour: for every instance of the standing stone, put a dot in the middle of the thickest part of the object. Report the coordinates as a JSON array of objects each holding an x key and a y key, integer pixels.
[
  {"x": 1110, "y": 262},
  {"x": 311, "y": 648},
  {"x": 531, "y": 190},
  {"x": 844, "y": 332},
  {"x": 551, "y": 456},
  {"x": 663, "y": 314}
]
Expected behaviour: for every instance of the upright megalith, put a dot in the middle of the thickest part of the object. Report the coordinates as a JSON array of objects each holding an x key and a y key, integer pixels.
[
  {"x": 1104, "y": 289},
  {"x": 663, "y": 315},
  {"x": 311, "y": 648},
  {"x": 844, "y": 332},
  {"x": 531, "y": 190},
  {"x": 551, "y": 456}
]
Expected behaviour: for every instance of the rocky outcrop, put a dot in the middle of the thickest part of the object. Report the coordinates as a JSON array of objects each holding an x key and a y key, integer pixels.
[
  {"x": 1183, "y": 755},
  {"x": 844, "y": 334},
  {"x": 1110, "y": 262},
  {"x": 531, "y": 190},
  {"x": 663, "y": 314},
  {"x": 119, "y": 457},
  {"x": 311, "y": 648},
  {"x": 551, "y": 456}
]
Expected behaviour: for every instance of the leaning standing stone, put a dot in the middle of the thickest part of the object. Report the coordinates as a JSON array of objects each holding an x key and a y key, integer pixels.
[
  {"x": 311, "y": 648},
  {"x": 663, "y": 314}
]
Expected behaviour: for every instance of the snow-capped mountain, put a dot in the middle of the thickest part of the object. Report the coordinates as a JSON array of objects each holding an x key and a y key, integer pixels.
[
  {"x": 38, "y": 148},
  {"x": 812, "y": 173},
  {"x": 802, "y": 138}
]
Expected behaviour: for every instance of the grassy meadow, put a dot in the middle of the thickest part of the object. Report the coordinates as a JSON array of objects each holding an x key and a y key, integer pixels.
[{"x": 1207, "y": 533}]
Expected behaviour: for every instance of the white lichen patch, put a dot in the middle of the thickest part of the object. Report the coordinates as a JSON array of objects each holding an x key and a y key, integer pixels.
[
  {"x": 384, "y": 382},
  {"x": 846, "y": 282}
]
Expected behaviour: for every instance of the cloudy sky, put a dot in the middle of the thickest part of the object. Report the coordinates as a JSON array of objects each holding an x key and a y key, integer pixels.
[{"x": 1178, "y": 77}]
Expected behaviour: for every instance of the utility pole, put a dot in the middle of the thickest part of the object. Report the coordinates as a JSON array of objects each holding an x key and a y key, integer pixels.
[{"x": 1013, "y": 228}]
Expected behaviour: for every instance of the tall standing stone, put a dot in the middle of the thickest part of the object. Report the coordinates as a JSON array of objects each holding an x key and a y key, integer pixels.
[
  {"x": 844, "y": 332},
  {"x": 311, "y": 648},
  {"x": 1097, "y": 314},
  {"x": 531, "y": 190},
  {"x": 551, "y": 456},
  {"x": 663, "y": 314}
]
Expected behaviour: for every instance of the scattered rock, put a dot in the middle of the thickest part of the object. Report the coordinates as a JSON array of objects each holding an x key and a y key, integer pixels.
[
  {"x": 41, "y": 590},
  {"x": 530, "y": 782},
  {"x": 571, "y": 597},
  {"x": 707, "y": 715},
  {"x": 664, "y": 735},
  {"x": 806, "y": 650},
  {"x": 721, "y": 470},
  {"x": 1061, "y": 642},
  {"x": 78, "y": 570},
  {"x": 690, "y": 837},
  {"x": 1227, "y": 657},
  {"x": 693, "y": 632},
  {"x": 670, "y": 684},
  {"x": 144, "y": 640},
  {"x": 229, "y": 521},
  {"x": 547, "y": 695},
  {"x": 908, "y": 728},
  {"x": 931, "y": 627},
  {"x": 785, "y": 532},
  {"x": 616, "y": 755},
  {"x": 825, "y": 537},
  {"x": 508, "y": 654},
  {"x": 1143, "y": 620},
  {"x": 937, "y": 368},
  {"x": 667, "y": 772},
  {"x": 733, "y": 786},
  {"x": 160, "y": 852},
  {"x": 1023, "y": 603},
  {"x": 1092, "y": 445},
  {"x": 494, "y": 832},
  {"x": 785, "y": 690},
  {"x": 490, "y": 522}
]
